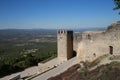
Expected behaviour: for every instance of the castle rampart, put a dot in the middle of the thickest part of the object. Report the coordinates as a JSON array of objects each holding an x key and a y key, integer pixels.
[
  {"x": 95, "y": 44},
  {"x": 88, "y": 45}
]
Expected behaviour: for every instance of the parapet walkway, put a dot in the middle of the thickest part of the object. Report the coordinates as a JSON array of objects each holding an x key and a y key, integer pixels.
[{"x": 59, "y": 69}]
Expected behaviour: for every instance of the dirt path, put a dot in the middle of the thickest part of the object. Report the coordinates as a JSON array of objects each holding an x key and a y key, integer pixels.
[{"x": 59, "y": 69}]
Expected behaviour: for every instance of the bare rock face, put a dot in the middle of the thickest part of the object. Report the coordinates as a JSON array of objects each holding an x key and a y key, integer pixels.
[{"x": 114, "y": 26}]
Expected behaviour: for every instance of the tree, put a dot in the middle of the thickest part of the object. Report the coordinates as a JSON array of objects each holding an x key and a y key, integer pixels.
[{"x": 117, "y": 5}]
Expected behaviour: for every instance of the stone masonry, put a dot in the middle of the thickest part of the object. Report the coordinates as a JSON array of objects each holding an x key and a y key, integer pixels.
[
  {"x": 88, "y": 45},
  {"x": 65, "y": 44},
  {"x": 97, "y": 43}
]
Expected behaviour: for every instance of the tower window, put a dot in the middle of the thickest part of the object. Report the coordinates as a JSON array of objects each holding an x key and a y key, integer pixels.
[
  {"x": 111, "y": 50},
  {"x": 89, "y": 37}
]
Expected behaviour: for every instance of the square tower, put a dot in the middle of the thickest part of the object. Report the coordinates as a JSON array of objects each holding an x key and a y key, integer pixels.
[{"x": 65, "y": 44}]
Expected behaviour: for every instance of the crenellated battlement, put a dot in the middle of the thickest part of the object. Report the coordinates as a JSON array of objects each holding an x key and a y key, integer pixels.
[{"x": 65, "y": 44}]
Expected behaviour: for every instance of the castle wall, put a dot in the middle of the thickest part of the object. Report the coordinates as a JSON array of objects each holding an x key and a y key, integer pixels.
[
  {"x": 89, "y": 45},
  {"x": 76, "y": 39},
  {"x": 97, "y": 44}
]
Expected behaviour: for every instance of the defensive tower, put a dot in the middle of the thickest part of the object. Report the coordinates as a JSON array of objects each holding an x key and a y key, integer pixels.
[{"x": 65, "y": 44}]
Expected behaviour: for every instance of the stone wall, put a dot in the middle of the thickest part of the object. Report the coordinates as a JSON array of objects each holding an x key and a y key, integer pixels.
[
  {"x": 96, "y": 43},
  {"x": 89, "y": 45},
  {"x": 77, "y": 38},
  {"x": 65, "y": 44}
]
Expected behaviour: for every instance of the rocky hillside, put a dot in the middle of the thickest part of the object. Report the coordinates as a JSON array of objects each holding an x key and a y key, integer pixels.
[
  {"x": 93, "y": 71},
  {"x": 114, "y": 26}
]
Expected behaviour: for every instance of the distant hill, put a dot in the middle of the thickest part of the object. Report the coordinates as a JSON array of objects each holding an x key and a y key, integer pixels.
[
  {"x": 13, "y": 33},
  {"x": 18, "y": 31}
]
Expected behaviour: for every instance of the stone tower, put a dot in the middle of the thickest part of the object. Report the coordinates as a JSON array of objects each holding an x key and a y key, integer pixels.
[{"x": 65, "y": 44}]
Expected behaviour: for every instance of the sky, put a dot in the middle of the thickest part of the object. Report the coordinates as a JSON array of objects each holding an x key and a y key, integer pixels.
[{"x": 57, "y": 14}]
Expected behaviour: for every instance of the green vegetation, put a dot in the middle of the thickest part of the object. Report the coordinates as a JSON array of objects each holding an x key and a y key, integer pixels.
[
  {"x": 20, "y": 49},
  {"x": 10, "y": 65},
  {"x": 117, "y": 5}
]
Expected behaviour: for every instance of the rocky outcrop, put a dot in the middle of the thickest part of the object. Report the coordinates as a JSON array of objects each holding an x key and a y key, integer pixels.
[{"x": 114, "y": 26}]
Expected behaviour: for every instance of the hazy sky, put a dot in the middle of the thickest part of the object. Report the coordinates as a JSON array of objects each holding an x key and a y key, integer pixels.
[{"x": 27, "y": 14}]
